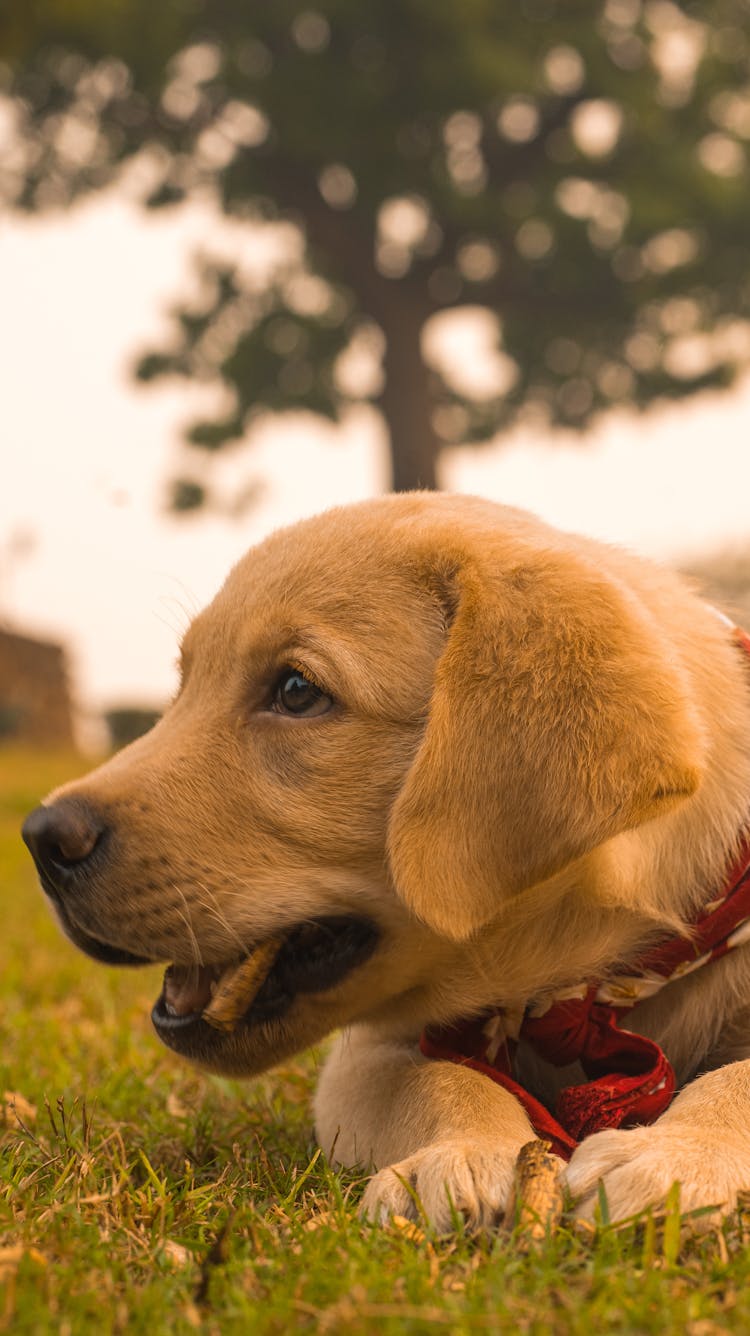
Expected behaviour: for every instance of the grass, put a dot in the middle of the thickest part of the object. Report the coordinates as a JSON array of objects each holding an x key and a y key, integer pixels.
[{"x": 137, "y": 1195}]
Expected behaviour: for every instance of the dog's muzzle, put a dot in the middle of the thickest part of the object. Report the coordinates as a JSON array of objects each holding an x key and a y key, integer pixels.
[
  {"x": 67, "y": 841},
  {"x": 72, "y": 844}
]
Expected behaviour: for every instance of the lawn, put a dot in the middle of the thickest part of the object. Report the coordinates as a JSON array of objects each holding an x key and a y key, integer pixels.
[{"x": 140, "y": 1196}]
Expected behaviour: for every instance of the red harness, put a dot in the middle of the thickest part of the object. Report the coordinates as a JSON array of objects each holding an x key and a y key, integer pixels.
[{"x": 630, "y": 1079}]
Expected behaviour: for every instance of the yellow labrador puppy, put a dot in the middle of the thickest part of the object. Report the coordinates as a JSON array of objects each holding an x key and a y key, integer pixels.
[{"x": 451, "y": 774}]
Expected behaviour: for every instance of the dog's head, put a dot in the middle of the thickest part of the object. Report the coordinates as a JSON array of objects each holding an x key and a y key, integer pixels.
[{"x": 393, "y": 719}]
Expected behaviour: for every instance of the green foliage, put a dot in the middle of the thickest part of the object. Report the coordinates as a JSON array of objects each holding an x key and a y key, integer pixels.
[
  {"x": 577, "y": 169},
  {"x": 187, "y": 495},
  {"x": 137, "y": 1195}
]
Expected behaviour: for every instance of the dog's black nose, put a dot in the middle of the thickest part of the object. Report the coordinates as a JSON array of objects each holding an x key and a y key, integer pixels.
[{"x": 61, "y": 837}]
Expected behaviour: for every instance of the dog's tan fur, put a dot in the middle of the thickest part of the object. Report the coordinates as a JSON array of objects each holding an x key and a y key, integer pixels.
[{"x": 538, "y": 761}]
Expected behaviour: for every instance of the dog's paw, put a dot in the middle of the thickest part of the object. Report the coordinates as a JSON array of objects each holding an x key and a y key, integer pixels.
[
  {"x": 637, "y": 1168},
  {"x": 466, "y": 1178}
]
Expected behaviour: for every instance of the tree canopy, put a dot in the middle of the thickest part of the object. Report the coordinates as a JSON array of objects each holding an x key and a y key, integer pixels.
[{"x": 575, "y": 171}]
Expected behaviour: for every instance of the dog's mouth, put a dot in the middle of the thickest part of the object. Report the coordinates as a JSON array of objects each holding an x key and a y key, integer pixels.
[
  {"x": 202, "y": 1006},
  {"x": 203, "y": 1011}
]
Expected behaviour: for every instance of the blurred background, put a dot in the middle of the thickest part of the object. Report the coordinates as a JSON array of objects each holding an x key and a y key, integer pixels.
[{"x": 258, "y": 259}]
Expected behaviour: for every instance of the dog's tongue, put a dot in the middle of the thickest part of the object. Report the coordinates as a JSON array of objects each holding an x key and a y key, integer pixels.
[{"x": 187, "y": 988}]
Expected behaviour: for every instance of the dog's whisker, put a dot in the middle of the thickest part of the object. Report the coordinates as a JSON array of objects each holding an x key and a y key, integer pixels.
[
  {"x": 219, "y": 917},
  {"x": 186, "y": 918}
]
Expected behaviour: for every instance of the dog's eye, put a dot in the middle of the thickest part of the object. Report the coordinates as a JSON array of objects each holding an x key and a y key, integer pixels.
[{"x": 296, "y": 694}]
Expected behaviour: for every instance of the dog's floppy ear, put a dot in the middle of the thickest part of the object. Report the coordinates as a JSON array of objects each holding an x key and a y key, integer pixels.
[{"x": 556, "y": 722}]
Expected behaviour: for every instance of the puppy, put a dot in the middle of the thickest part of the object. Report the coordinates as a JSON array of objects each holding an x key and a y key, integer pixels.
[{"x": 465, "y": 771}]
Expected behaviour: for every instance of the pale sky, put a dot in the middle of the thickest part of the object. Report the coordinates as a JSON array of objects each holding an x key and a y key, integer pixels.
[{"x": 85, "y": 456}]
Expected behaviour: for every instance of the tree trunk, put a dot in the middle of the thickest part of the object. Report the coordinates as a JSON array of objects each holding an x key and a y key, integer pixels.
[
  {"x": 406, "y": 404},
  {"x": 405, "y": 401}
]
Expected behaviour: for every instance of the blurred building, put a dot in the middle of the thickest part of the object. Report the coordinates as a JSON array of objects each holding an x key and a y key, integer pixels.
[
  {"x": 128, "y": 722},
  {"x": 35, "y": 700}
]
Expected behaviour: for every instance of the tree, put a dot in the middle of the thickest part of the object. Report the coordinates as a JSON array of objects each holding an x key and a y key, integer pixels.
[{"x": 577, "y": 171}]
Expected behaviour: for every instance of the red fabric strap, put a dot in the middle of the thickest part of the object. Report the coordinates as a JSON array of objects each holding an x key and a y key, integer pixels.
[{"x": 438, "y": 1043}]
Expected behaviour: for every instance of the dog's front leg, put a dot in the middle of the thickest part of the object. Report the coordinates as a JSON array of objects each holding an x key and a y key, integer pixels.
[
  {"x": 444, "y": 1138},
  {"x": 702, "y": 1142}
]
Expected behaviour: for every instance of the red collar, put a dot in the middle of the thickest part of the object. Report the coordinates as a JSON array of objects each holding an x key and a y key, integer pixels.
[{"x": 629, "y": 1078}]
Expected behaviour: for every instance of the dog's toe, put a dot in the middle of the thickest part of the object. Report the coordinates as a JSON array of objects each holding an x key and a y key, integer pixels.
[
  {"x": 636, "y": 1169},
  {"x": 443, "y": 1182}
]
